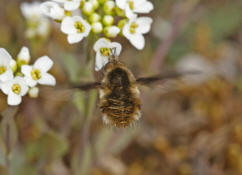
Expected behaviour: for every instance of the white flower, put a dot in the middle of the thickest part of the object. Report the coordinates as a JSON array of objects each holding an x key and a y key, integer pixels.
[
  {"x": 15, "y": 89},
  {"x": 52, "y": 10},
  {"x": 6, "y": 72},
  {"x": 134, "y": 6},
  {"x": 38, "y": 25},
  {"x": 134, "y": 30},
  {"x": 38, "y": 72},
  {"x": 111, "y": 31},
  {"x": 76, "y": 28},
  {"x": 31, "y": 10},
  {"x": 103, "y": 50},
  {"x": 24, "y": 55},
  {"x": 70, "y": 4}
]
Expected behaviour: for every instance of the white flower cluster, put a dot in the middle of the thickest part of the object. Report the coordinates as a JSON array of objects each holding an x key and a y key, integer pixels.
[
  {"x": 17, "y": 78},
  {"x": 37, "y": 24},
  {"x": 104, "y": 18}
]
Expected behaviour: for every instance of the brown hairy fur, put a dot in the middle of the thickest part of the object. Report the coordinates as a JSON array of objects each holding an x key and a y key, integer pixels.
[{"x": 119, "y": 95}]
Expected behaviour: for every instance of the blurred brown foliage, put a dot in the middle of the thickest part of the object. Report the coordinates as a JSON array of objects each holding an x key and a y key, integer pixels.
[{"x": 187, "y": 128}]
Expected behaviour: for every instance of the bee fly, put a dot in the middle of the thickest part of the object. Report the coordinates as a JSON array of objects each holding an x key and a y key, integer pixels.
[{"x": 119, "y": 94}]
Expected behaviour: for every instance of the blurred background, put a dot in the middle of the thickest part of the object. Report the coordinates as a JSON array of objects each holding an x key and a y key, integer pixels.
[{"x": 191, "y": 126}]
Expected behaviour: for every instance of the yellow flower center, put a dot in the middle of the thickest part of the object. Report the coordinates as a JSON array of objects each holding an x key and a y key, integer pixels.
[
  {"x": 131, "y": 5},
  {"x": 2, "y": 69},
  {"x": 105, "y": 51},
  {"x": 35, "y": 74},
  {"x": 16, "y": 88},
  {"x": 133, "y": 27},
  {"x": 79, "y": 27},
  {"x": 68, "y": 13}
]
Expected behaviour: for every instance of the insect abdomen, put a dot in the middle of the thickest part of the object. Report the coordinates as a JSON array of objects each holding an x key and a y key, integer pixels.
[
  {"x": 120, "y": 111},
  {"x": 120, "y": 103}
]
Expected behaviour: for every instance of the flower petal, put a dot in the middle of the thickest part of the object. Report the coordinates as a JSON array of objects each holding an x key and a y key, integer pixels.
[
  {"x": 129, "y": 13},
  {"x": 5, "y": 57},
  {"x": 144, "y": 24},
  {"x": 14, "y": 99},
  {"x": 74, "y": 38},
  {"x": 118, "y": 47},
  {"x": 26, "y": 70},
  {"x": 102, "y": 42},
  {"x": 137, "y": 41},
  {"x": 6, "y": 87},
  {"x": 8, "y": 75},
  {"x": 144, "y": 7},
  {"x": 30, "y": 82},
  {"x": 121, "y": 3},
  {"x": 43, "y": 63},
  {"x": 100, "y": 61},
  {"x": 52, "y": 10},
  {"x": 23, "y": 85},
  {"x": 67, "y": 25},
  {"x": 47, "y": 79},
  {"x": 72, "y": 5}
]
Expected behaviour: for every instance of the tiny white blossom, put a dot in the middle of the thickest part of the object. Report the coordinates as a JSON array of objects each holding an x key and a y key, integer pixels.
[
  {"x": 76, "y": 28},
  {"x": 103, "y": 50},
  {"x": 24, "y": 55},
  {"x": 6, "y": 72},
  {"x": 134, "y": 6},
  {"x": 52, "y": 10},
  {"x": 31, "y": 10},
  {"x": 70, "y": 5},
  {"x": 38, "y": 25},
  {"x": 15, "y": 89},
  {"x": 134, "y": 30},
  {"x": 38, "y": 72}
]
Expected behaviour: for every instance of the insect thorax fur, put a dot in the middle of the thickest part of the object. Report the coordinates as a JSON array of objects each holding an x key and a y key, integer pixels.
[{"x": 119, "y": 95}]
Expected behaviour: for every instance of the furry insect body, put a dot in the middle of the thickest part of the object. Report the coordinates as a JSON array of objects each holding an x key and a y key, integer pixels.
[{"x": 119, "y": 95}]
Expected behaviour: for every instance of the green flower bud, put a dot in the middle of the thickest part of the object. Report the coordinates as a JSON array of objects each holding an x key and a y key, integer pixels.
[
  {"x": 82, "y": 3},
  {"x": 102, "y": 1},
  {"x": 109, "y": 7},
  {"x": 95, "y": 17},
  {"x": 108, "y": 20},
  {"x": 95, "y": 3},
  {"x": 33, "y": 92},
  {"x": 111, "y": 31},
  {"x": 23, "y": 56},
  {"x": 121, "y": 23},
  {"x": 88, "y": 8},
  {"x": 120, "y": 12},
  {"x": 97, "y": 27}
]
